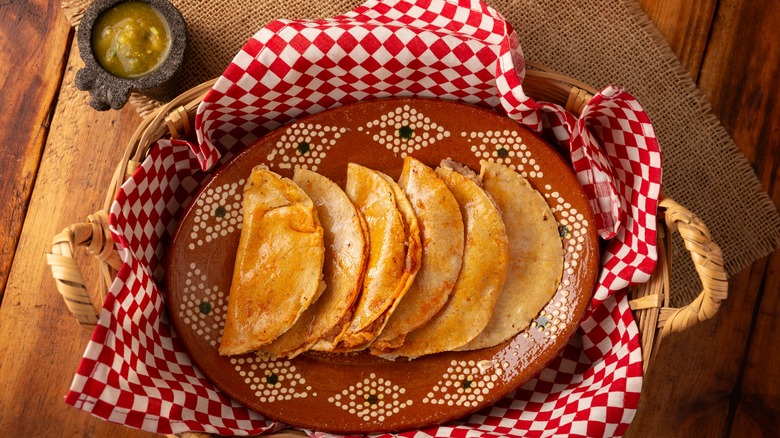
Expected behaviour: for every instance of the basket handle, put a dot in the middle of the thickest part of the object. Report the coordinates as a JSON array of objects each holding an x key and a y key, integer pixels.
[
  {"x": 94, "y": 234},
  {"x": 70, "y": 283},
  {"x": 649, "y": 299},
  {"x": 708, "y": 260}
]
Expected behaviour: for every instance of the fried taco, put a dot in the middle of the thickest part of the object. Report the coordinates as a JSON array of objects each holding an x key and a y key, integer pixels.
[
  {"x": 442, "y": 239},
  {"x": 346, "y": 255},
  {"x": 278, "y": 267},
  {"x": 481, "y": 276},
  {"x": 394, "y": 255},
  {"x": 535, "y": 254}
]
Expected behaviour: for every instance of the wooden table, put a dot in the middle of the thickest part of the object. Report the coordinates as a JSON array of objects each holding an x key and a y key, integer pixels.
[{"x": 718, "y": 379}]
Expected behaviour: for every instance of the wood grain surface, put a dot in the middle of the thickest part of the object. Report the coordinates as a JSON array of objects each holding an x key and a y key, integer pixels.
[
  {"x": 719, "y": 378},
  {"x": 686, "y": 26},
  {"x": 741, "y": 74},
  {"x": 40, "y": 342},
  {"x": 30, "y": 79}
]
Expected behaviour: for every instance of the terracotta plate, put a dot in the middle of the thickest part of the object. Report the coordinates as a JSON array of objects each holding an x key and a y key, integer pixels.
[{"x": 359, "y": 393}]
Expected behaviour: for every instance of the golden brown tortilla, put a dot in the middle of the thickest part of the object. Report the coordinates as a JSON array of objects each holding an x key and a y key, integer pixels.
[
  {"x": 394, "y": 255},
  {"x": 331, "y": 339},
  {"x": 442, "y": 238},
  {"x": 482, "y": 273},
  {"x": 278, "y": 264},
  {"x": 346, "y": 255},
  {"x": 535, "y": 253}
]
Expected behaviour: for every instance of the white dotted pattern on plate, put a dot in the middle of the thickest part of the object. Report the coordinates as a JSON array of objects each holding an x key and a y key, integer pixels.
[
  {"x": 464, "y": 384},
  {"x": 272, "y": 380},
  {"x": 372, "y": 399},
  {"x": 572, "y": 227},
  {"x": 404, "y": 130},
  {"x": 203, "y": 307},
  {"x": 218, "y": 212},
  {"x": 504, "y": 147},
  {"x": 304, "y": 145}
]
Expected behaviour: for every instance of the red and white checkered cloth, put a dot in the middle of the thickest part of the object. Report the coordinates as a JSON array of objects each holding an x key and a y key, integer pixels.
[{"x": 136, "y": 372}]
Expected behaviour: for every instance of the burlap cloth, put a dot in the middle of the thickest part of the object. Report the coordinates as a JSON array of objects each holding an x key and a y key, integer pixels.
[{"x": 599, "y": 42}]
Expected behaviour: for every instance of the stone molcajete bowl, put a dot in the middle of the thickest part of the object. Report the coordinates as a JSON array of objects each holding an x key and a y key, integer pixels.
[{"x": 110, "y": 91}]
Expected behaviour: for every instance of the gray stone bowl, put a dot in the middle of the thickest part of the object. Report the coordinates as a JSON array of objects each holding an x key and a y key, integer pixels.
[{"x": 109, "y": 91}]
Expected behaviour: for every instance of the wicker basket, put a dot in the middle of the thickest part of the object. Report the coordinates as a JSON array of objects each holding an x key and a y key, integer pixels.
[{"x": 650, "y": 302}]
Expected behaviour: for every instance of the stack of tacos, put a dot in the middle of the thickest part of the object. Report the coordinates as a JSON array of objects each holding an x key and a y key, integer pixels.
[{"x": 440, "y": 260}]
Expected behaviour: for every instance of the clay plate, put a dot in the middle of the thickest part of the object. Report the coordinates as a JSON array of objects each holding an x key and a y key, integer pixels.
[{"x": 358, "y": 393}]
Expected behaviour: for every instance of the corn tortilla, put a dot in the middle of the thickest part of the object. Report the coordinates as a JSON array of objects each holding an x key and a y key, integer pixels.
[{"x": 278, "y": 264}]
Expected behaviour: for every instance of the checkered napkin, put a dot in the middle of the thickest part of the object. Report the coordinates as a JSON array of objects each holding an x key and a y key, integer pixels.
[{"x": 135, "y": 370}]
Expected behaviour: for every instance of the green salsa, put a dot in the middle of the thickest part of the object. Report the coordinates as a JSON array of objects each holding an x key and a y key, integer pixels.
[{"x": 131, "y": 39}]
